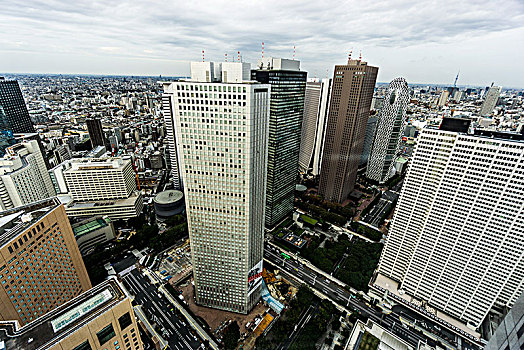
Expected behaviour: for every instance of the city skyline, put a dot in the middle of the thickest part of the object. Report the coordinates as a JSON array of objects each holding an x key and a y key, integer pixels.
[{"x": 426, "y": 44}]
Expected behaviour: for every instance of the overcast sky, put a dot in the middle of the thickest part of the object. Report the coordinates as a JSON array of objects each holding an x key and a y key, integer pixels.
[{"x": 423, "y": 41}]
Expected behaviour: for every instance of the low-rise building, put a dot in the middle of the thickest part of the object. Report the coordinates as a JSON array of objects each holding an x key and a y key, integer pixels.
[{"x": 90, "y": 232}]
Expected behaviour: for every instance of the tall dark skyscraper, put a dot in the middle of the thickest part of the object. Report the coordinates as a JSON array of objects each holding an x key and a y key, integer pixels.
[
  {"x": 351, "y": 95},
  {"x": 288, "y": 86},
  {"x": 6, "y": 134},
  {"x": 14, "y": 107},
  {"x": 96, "y": 133}
]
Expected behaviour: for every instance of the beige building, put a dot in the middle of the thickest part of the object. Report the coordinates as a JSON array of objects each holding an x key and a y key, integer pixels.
[
  {"x": 100, "y": 179},
  {"x": 40, "y": 265},
  {"x": 98, "y": 187},
  {"x": 101, "y": 318}
]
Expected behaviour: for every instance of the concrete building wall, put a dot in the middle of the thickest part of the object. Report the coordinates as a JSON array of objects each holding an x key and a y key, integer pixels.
[
  {"x": 457, "y": 233},
  {"x": 24, "y": 176},
  {"x": 490, "y": 101},
  {"x": 223, "y": 157},
  {"x": 100, "y": 179}
]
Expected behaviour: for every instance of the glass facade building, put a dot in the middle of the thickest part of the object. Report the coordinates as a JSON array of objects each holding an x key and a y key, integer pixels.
[
  {"x": 15, "y": 110},
  {"x": 288, "y": 86},
  {"x": 6, "y": 134}
]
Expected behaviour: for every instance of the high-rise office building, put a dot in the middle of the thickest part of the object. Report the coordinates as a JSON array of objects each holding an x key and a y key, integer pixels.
[
  {"x": 6, "y": 134},
  {"x": 510, "y": 332},
  {"x": 443, "y": 98},
  {"x": 13, "y": 103},
  {"x": 96, "y": 132},
  {"x": 168, "y": 104},
  {"x": 351, "y": 95},
  {"x": 369, "y": 137},
  {"x": 40, "y": 265},
  {"x": 376, "y": 103},
  {"x": 100, "y": 318},
  {"x": 100, "y": 186},
  {"x": 490, "y": 101},
  {"x": 23, "y": 176},
  {"x": 61, "y": 153},
  {"x": 316, "y": 108},
  {"x": 288, "y": 86},
  {"x": 456, "y": 237},
  {"x": 390, "y": 127},
  {"x": 222, "y": 133}
]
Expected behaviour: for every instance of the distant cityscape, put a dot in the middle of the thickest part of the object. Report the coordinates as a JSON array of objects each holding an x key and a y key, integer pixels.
[{"x": 249, "y": 206}]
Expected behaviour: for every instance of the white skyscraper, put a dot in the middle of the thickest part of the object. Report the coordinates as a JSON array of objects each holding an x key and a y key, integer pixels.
[
  {"x": 490, "y": 101},
  {"x": 316, "y": 103},
  {"x": 222, "y": 134},
  {"x": 168, "y": 101},
  {"x": 23, "y": 176},
  {"x": 390, "y": 126},
  {"x": 456, "y": 238}
]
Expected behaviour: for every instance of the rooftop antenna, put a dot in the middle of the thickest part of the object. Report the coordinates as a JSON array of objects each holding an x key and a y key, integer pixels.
[
  {"x": 262, "y": 50},
  {"x": 226, "y": 56},
  {"x": 238, "y": 56},
  {"x": 349, "y": 55},
  {"x": 294, "y": 51},
  {"x": 360, "y": 56},
  {"x": 203, "y": 60}
]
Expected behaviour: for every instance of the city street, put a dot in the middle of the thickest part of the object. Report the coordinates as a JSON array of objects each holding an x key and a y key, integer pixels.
[
  {"x": 377, "y": 212},
  {"x": 334, "y": 292},
  {"x": 304, "y": 319},
  {"x": 160, "y": 311}
]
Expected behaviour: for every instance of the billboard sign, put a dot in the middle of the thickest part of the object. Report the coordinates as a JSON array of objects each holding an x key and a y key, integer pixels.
[{"x": 254, "y": 278}]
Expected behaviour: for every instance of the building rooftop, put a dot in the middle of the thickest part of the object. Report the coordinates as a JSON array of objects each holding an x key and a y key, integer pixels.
[
  {"x": 16, "y": 220},
  {"x": 168, "y": 197},
  {"x": 72, "y": 204},
  {"x": 90, "y": 225},
  {"x": 93, "y": 164},
  {"x": 47, "y": 330},
  {"x": 461, "y": 125}
]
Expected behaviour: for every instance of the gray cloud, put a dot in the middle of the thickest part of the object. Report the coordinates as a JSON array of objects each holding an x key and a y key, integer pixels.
[{"x": 85, "y": 34}]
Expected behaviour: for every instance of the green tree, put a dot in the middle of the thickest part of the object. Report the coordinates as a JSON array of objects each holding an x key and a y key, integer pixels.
[{"x": 231, "y": 336}]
